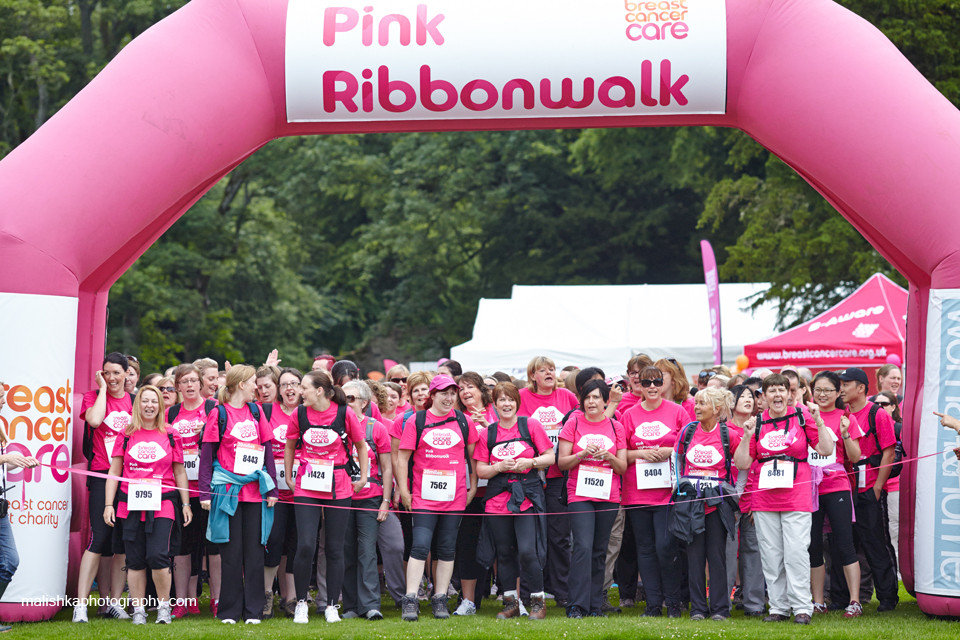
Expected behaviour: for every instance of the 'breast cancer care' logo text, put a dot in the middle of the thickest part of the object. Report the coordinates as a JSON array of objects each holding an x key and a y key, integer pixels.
[
  {"x": 442, "y": 438},
  {"x": 320, "y": 437},
  {"x": 509, "y": 450},
  {"x": 775, "y": 440},
  {"x": 704, "y": 456},
  {"x": 147, "y": 452},
  {"x": 657, "y": 19},
  {"x": 651, "y": 430},
  {"x": 245, "y": 431}
]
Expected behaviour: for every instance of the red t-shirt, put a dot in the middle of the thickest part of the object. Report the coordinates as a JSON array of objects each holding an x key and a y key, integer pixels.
[
  {"x": 868, "y": 444},
  {"x": 241, "y": 432},
  {"x": 792, "y": 441},
  {"x": 834, "y": 480},
  {"x": 279, "y": 422},
  {"x": 189, "y": 424},
  {"x": 650, "y": 430},
  {"x": 117, "y": 418},
  {"x": 149, "y": 457},
  {"x": 439, "y": 468},
  {"x": 548, "y": 410},
  {"x": 513, "y": 448},
  {"x": 581, "y": 432},
  {"x": 322, "y": 447},
  {"x": 381, "y": 441}
]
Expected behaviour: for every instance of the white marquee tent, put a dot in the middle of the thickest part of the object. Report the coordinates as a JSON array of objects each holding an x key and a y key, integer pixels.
[{"x": 604, "y": 325}]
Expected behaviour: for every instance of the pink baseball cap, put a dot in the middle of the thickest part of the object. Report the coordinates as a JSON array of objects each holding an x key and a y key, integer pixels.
[{"x": 441, "y": 382}]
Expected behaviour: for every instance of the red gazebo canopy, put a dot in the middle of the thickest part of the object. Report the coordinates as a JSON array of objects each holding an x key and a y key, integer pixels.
[{"x": 861, "y": 331}]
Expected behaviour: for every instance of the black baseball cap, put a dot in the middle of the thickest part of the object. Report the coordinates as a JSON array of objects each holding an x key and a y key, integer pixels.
[{"x": 856, "y": 375}]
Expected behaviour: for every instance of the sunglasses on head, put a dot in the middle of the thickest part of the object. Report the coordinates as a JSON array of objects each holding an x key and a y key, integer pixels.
[
  {"x": 706, "y": 375},
  {"x": 134, "y": 358},
  {"x": 398, "y": 380},
  {"x": 658, "y": 382}
]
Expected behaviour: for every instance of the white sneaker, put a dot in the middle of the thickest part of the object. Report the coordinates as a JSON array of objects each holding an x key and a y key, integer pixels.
[
  {"x": 252, "y": 620},
  {"x": 331, "y": 614},
  {"x": 523, "y": 609},
  {"x": 139, "y": 616},
  {"x": 228, "y": 621},
  {"x": 301, "y": 614},
  {"x": 118, "y": 612},
  {"x": 163, "y": 612},
  {"x": 466, "y": 608},
  {"x": 80, "y": 613}
]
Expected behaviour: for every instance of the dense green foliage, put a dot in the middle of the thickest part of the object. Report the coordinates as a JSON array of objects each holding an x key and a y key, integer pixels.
[{"x": 381, "y": 245}]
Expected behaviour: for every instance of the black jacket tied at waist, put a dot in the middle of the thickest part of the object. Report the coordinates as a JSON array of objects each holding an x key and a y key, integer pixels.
[
  {"x": 132, "y": 521},
  {"x": 520, "y": 486},
  {"x": 690, "y": 500}
]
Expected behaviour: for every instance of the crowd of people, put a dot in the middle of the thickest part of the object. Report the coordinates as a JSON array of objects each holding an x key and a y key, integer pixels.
[{"x": 271, "y": 481}]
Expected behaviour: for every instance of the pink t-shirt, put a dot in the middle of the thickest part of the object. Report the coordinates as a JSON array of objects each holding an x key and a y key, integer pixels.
[
  {"x": 548, "y": 410},
  {"x": 581, "y": 432},
  {"x": 322, "y": 446},
  {"x": 118, "y": 415},
  {"x": 489, "y": 412},
  {"x": 688, "y": 406},
  {"x": 439, "y": 467},
  {"x": 627, "y": 402},
  {"x": 278, "y": 424},
  {"x": 189, "y": 424},
  {"x": 381, "y": 441},
  {"x": 149, "y": 457},
  {"x": 792, "y": 441},
  {"x": 241, "y": 432},
  {"x": 868, "y": 444},
  {"x": 650, "y": 430},
  {"x": 834, "y": 479},
  {"x": 705, "y": 456},
  {"x": 509, "y": 446}
]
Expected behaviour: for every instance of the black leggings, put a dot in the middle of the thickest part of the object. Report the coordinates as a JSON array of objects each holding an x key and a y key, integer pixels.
[
  {"x": 241, "y": 573},
  {"x": 590, "y": 524},
  {"x": 310, "y": 513},
  {"x": 515, "y": 538},
  {"x": 101, "y": 534},
  {"x": 838, "y": 507},
  {"x": 150, "y": 550},
  {"x": 467, "y": 566},
  {"x": 283, "y": 536},
  {"x": 425, "y": 524},
  {"x": 658, "y": 555}
]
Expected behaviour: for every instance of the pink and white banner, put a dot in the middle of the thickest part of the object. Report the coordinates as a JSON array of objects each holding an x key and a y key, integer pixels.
[
  {"x": 713, "y": 298},
  {"x": 401, "y": 59}
]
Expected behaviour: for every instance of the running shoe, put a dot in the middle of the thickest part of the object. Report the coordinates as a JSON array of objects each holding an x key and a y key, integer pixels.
[
  {"x": 163, "y": 612},
  {"x": 302, "y": 613},
  {"x": 139, "y": 616},
  {"x": 374, "y": 614},
  {"x": 439, "y": 605},
  {"x": 80, "y": 613},
  {"x": 410, "y": 608},
  {"x": 179, "y": 611},
  {"x": 853, "y": 610},
  {"x": 465, "y": 608},
  {"x": 116, "y": 611},
  {"x": 331, "y": 613}
]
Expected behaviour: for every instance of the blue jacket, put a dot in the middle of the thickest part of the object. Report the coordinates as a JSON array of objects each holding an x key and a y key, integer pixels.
[{"x": 225, "y": 490}]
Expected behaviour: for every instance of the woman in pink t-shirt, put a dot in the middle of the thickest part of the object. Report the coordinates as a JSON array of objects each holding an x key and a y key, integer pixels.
[
  {"x": 326, "y": 432},
  {"x": 651, "y": 428},
  {"x": 520, "y": 541},
  {"x": 188, "y": 420},
  {"x": 782, "y": 503},
  {"x": 676, "y": 387},
  {"x": 835, "y": 497},
  {"x": 444, "y": 482},
  {"x": 150, "y": 457},
  {"x": 279, "y": 412},
  {"x": 389, "y": 409},
  {"x": 593, "y": 450},
  {"x": 704, "y": 459},
  {"x": 242, "y": 449}
]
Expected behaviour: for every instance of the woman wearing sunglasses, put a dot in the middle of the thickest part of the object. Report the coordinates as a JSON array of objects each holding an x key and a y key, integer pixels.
[{"x": 651, "y": 429}]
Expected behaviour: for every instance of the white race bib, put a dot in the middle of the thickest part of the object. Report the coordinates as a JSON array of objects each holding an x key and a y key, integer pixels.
[
  {"x": 191, "y": 463},
  {"x": 594, "y": 482},
  {"x": 776, "y": 474},
  {"x": 438, "y": 485},
  {"x": 817, "y": 460},
  {"x": 282, "y": 476},
  {"x": 862, "y": 476},
  {"x": 317, "y": 475},
  {"x": 248, "y": 457},
  {"x": 654, "y": 475},
  {"x": 144, "y": 495}
]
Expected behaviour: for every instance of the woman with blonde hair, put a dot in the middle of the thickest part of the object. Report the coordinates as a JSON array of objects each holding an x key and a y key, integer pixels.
[
  {"x": 399, "y": 374},
  {"x": 168, "y": 390},
  {"x": 238, "y": 487},
  {"x": 150, "y": 458}
]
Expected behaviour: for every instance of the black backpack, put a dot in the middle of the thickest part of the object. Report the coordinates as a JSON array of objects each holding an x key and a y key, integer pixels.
[
  {"x": 524, "y": 435},
  {"x": 688, "y": 433},
  {"x": 222, "y": 423},
  {"x": 339, "y": 426},
  {"x": 87, "y": 445},
  {"x": 421, "y": 425},
  {"x": 368, "y": 437},
  {"x": 898, "y": 450}
]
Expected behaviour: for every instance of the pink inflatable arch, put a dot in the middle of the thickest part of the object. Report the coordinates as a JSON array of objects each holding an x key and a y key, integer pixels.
[{"x": 196, "y": 94}]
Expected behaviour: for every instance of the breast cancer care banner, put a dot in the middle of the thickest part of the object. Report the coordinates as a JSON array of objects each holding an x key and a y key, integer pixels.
[
  {"x": 37, "y": 346},
  {"x": 503, "y": 59}
]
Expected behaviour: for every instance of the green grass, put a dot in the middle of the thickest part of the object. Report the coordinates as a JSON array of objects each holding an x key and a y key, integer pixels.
[{"x": 906, "y": 623}]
